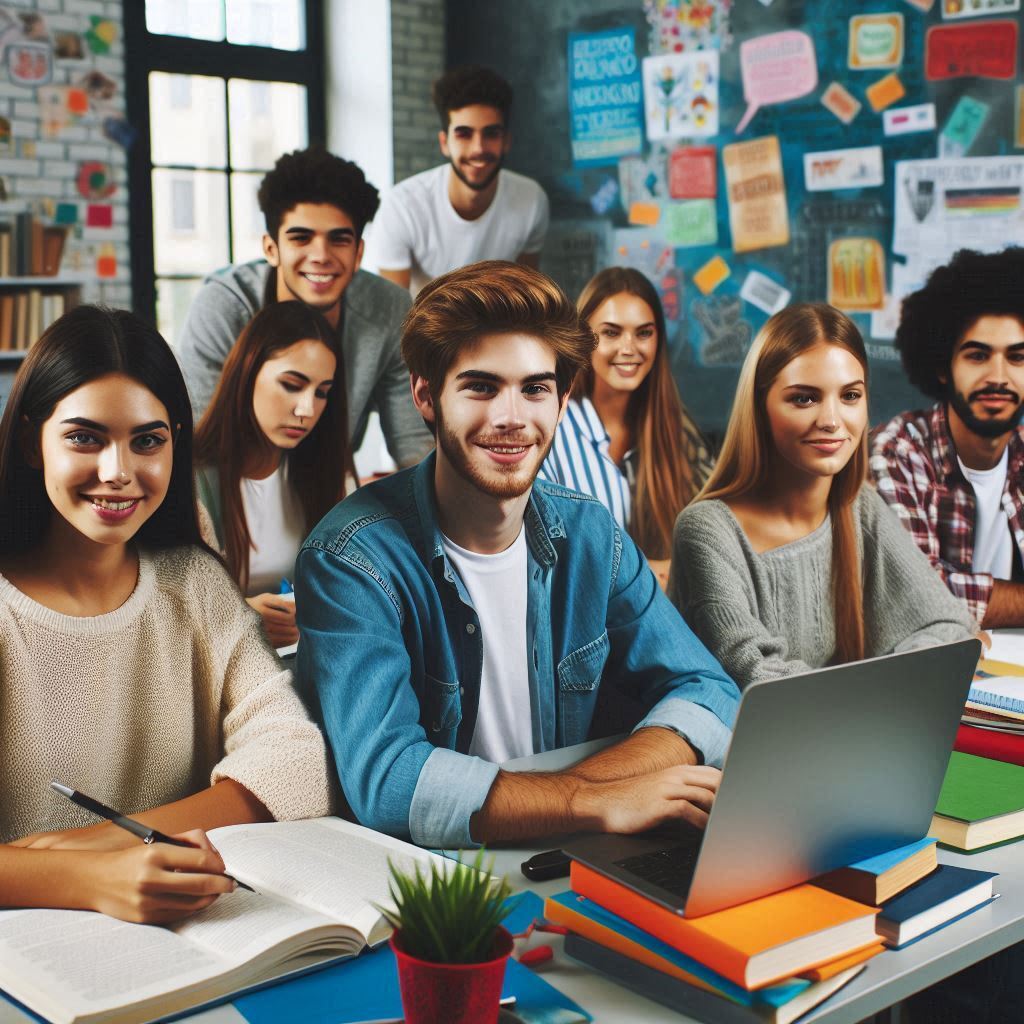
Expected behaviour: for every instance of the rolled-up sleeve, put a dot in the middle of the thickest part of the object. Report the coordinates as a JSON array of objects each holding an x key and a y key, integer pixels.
[{"x": 451, "y": 788}]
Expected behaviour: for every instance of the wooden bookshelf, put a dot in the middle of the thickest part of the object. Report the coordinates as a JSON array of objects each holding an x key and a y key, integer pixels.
[{"x": 28, "y": 305}]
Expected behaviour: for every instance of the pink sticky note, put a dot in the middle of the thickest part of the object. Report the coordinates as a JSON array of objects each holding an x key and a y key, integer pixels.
[
  {"x": 99, "y": 215},
  {"x": 776, "y": 67}
]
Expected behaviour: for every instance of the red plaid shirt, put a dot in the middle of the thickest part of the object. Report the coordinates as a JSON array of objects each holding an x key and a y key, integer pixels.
[{"x": 914, "y": 464}]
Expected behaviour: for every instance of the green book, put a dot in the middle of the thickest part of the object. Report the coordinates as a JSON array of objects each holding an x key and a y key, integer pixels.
[{"x": 981, "y": 803}]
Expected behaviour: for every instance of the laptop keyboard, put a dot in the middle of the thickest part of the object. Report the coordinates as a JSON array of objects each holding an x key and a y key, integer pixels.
[{"x": 670, "y": 869}]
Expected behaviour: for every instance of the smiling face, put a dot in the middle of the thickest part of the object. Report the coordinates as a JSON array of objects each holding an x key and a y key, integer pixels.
[
  {"x": 475, "y": 143},
  {"x": 627, "y": 342},
  {"x": 817, "y": 411},
  {"x": 496, "y": 413},
  {"x": 316, "y": 253},
  {"x": 107, "y": 454},
  {"x": 986, "y": 382},
  {"x": 290, "y": 392}
]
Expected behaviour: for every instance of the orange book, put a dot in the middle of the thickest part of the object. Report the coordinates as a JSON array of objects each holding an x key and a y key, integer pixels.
[
  {"x": 833, "y": 967},
  {"x": 755, "y": 943}
]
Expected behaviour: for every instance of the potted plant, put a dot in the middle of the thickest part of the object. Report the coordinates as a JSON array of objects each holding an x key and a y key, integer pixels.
[{"x": 449, "y": 944}]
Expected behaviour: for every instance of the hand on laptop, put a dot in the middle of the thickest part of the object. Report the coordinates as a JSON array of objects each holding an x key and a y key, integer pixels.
[{"x": 683, "y": 792}]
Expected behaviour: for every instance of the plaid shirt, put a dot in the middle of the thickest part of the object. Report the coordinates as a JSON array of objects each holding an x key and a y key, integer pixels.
[{"x": 915, "y": 467}]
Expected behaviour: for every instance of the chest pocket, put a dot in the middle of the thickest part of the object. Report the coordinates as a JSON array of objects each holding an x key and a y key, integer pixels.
[
  {"x": 579, "y": 675},
  {"x": 441, "y": 711}
]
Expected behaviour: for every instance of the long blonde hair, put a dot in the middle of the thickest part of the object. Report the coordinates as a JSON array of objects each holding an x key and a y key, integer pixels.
[
  {"x": 655, "y": 416},
  {"x": 744, "y": 463}
]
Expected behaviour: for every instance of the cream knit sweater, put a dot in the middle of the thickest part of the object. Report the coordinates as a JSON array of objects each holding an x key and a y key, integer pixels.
[{"x": 173, "y": 691}]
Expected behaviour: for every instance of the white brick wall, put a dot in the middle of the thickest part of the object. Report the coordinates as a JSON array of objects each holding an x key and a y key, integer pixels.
[{"x": 51, "y": 172}]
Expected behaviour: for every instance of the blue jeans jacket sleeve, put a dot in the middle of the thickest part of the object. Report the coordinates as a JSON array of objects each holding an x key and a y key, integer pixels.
[
  {"x": 352, "y": 653},
  {"x": 653, "y": 647}
]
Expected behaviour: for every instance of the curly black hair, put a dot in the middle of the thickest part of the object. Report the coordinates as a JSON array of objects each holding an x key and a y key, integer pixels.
[
  {"x": 468, "y": 85},
  {"x": 934, "y": 318},
  {"x": 315, "y": 176}
]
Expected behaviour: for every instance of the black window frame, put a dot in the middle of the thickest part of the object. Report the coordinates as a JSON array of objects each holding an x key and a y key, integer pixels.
[{"x": 145, "y": 52}]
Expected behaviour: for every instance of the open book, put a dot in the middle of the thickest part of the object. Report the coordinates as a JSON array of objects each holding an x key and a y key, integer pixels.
[{"x": 315, "y": 884}]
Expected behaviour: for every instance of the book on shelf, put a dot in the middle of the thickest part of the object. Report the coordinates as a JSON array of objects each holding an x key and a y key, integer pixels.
[
  {"x": 981, "y": 803},
  {"x": 33, "y": 249},
  {"x": 316, "y": 882},
  {"x": 584, "y": 917},
  {"x": 992, "y": 743},
  {"x": 753, "y": 944},
  {"x": 877, "y": 879},
  {"x": 692, "y": 1001},
  {"x": 944, "y": 896}
]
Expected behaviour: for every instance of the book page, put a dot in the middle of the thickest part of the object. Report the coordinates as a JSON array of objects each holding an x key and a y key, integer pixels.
[
  {"x": 332, "y": 866},
  {"x": 87, "y": 962}
]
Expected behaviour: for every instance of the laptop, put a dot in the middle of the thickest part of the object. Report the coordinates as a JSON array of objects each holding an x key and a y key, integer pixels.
[{"x": 824, "y": 769}]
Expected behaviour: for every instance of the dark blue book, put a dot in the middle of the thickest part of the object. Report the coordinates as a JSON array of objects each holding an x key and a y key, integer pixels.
[{"x": 947, "y": 893}]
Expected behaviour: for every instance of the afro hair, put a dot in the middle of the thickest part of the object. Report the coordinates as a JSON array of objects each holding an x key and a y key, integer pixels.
[
  {"x": 469, "y": 85},
  {"x": 934, "y": 318},
  {"x": 315, "y": 176}
]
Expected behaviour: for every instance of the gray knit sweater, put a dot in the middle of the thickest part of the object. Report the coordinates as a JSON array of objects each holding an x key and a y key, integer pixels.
[{"x": 770, "y": 614}]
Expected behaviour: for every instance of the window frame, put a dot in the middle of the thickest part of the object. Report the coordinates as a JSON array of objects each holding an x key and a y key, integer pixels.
[{"x": 146, "y": 52}]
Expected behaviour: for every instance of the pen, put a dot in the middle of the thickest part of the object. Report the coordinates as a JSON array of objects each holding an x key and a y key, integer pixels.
[{"x": 144, "y": 832}]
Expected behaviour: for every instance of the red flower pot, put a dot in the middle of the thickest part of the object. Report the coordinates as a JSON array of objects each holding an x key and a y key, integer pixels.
[{"x": 452, "y": 993}]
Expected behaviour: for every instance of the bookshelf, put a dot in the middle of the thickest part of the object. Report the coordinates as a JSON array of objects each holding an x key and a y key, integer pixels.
[{"x": 28, "y": 305}]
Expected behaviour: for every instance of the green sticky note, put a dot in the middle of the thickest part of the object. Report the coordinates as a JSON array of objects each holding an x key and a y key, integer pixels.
[
  {"x": 965, "y": 122},
  {"x": 67, "y": 213},
  {"x": 690, "y": 223}
]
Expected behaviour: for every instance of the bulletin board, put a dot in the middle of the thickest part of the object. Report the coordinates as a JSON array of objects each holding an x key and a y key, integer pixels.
[{"x": 767, "y": 151}]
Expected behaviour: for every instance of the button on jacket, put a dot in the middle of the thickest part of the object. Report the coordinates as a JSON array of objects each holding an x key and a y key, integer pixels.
[{"x": 392, "y": 648}]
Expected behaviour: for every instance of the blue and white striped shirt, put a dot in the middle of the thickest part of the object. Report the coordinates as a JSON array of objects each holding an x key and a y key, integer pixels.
[{"x": 579, "y": 459}]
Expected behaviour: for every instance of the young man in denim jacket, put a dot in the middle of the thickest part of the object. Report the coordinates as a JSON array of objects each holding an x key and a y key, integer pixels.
[{"x": 457, "y": 614}]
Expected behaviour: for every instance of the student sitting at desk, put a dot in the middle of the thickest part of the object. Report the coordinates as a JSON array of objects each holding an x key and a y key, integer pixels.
[
  {"x": 786, "y": 561},
  {"x": 130, "y": 667},
  {"x": 626, "y": 437},
  {"x": 459, "y": 615},
  {"x": 272, "y": 454}
]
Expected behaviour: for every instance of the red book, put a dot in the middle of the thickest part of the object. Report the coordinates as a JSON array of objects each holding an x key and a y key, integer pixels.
[{"x": 998, "y": 746}]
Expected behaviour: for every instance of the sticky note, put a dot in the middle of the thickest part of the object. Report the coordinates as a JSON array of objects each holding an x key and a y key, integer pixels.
[
  {"x": 841, "y": 102},
  {"x": 985, "y": 49},
  {"x": 77, "y": 101},
  {"x": 66, "y": 213},
  {"x": 876, "y": 41},
  {"x": 691, "y": 223},
  {"x": 963, "y": 126},
  {"x": 906, "y": 120},
  {"x": 711, "y": 275},
  {"x": 776, "y": 67},
  {"x": 764, "y": 293},
  {"x": 693, "y": 172},
  {"x": 99, "y": 215},
  {"x": 856, "y": 274},
  {"x": 646, "y": 214},
  {"x": 106, "y": 264},
  {"x": 885, "y": 92}
]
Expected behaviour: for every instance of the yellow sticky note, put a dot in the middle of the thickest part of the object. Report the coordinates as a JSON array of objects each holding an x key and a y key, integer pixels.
[
  {"x": 647, "y": 214},
  {"x": 711, "y": 275},
  {"x": 885, "y": 92}
]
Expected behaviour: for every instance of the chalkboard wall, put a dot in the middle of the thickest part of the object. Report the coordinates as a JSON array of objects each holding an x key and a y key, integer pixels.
[{"x": 526, "y": 41}]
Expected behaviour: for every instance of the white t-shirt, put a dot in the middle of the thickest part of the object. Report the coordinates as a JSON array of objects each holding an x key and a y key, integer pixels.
[
  {"x": 276, "y": 523},
  {"x": 417, "y": 228},
  {"x": 497, "y": 589},
  {"x": 993, "y": 541}
]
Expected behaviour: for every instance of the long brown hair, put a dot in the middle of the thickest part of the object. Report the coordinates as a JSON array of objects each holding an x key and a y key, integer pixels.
[
  {"x": 744, "y": 463},
  {"x": 228, "y": 433},
  {"x": 655, "y": 416}
]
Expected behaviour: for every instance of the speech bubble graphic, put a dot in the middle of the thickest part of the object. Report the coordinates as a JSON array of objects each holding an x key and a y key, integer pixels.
[{"x": 776, "y": 67}]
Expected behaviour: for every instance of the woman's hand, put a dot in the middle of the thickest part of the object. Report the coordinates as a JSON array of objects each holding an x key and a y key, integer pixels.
[
  {"x": 104, "y": 836},
  {"x": 660, "y": 566},
  {"x": 278, "y": 614}
]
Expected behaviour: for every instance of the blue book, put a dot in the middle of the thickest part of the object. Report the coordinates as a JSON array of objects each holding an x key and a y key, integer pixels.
[
  {"x": 877, "y": 879},
  {"x": 941, "y": 898}
]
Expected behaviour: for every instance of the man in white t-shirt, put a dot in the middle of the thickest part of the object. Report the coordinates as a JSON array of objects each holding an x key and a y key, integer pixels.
[
  {"x": 459, "y": 614},
  {"x": 955, "y": 473},
  {"x": 469, "y": 209}
]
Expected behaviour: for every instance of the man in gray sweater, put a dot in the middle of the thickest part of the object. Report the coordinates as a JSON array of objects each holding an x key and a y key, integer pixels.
[{"x": 316, "y": 206}]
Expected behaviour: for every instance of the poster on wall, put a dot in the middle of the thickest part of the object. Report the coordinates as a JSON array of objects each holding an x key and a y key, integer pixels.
[
  {"x": 757, "y": 194},
  {"x": 605, "y": 100},
  {"x": 681, "y": 95}
]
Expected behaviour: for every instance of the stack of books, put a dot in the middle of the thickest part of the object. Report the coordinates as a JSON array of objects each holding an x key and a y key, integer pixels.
[
  {"x": 981, "y": 803},
  {"x": 25, "y": 313},
  {"x": 29, "y": 248},
  {"x": 774, "y": 958}
]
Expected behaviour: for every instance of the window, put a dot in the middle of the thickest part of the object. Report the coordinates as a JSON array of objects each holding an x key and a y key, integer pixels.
[{"x": 219, "y": 90}]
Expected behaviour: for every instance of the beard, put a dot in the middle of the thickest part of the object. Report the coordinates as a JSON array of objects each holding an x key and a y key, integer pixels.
[
  {"x": 503, "y": 482},
  {"x": 985, "y": 426},
  {"x": 477, "y": 186}
]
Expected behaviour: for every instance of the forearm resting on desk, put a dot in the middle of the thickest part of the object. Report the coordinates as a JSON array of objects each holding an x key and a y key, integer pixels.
[{"x": 645, "y": 751}]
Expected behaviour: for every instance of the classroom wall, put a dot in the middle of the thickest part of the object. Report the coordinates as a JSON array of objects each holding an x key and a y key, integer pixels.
[{"x": 528, "y": 43}]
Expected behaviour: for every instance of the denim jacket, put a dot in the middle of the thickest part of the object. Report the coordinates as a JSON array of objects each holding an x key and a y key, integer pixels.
[{"x": 392, "y": 647}]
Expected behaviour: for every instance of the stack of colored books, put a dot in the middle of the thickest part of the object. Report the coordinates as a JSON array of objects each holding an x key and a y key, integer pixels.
[{"x": 774, "y": 958}]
